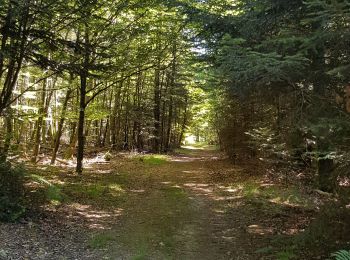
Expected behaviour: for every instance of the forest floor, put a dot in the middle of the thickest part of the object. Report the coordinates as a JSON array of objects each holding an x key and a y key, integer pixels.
[{"x": 194, "y": 204}]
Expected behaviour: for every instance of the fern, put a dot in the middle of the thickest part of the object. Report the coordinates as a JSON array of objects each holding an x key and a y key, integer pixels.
[{"x": 341, "y": 255}]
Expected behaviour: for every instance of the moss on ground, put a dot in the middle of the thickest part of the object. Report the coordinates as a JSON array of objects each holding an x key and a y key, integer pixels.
[{"x": 153, "y": 159}]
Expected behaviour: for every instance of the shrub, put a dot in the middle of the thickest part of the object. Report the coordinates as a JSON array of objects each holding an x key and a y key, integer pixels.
[
  {"x": 11, "y": 192},
  {"x": 108, "y": 156},
  {"x": 342, "y": 255}
]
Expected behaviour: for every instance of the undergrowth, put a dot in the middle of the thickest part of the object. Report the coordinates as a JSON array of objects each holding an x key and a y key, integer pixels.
[
  {"x": 273, "y": 193},
  {"x": 153, "y": 159},
  {"x": 341, "y": 255},
  {"x": 12, "y": 203},
  {"x": 52, "y": 192},
  {"x": 101, "y": 240},
  {"x": 327, "y": 233}
]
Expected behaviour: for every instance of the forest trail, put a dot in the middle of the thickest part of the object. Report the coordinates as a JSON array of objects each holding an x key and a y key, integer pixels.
[
  {"x": 198, "y": 205},
  {"x": 181, "y": 213},
  {"x": 191, "y": 205}
]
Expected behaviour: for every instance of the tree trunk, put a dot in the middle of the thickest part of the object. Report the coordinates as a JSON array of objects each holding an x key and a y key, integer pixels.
[
  {"x": 184, "y": 123},
  {"x": 60, "y": 126},
  {"x": 72, "y": 142},
  {"x": 39, "y": 125},
  {"x": 169, "y": 125},
  {"x": 156, "y": 110},
  {"x": 114, "y": 124},
  {"x": 81, "y": 122},
  {"x": 9, "y": 134},
  {"x": 82, "y": 100},
  {"x": 105, "y": 134},
  {"x": 171, "y": 90},
  {"x": 45, "y": 127}
]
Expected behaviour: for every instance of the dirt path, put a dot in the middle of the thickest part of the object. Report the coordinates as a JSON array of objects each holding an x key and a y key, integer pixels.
[
  {"x": 182, "y": 213},
  {"x": 193, "y": 205}
]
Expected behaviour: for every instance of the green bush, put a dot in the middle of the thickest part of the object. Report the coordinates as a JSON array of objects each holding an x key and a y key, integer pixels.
[
  {"x": 342, "y": 255},
  {"x": 11, "y": 192}
]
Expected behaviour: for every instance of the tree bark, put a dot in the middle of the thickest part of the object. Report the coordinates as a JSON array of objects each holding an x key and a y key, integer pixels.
[
  {"x": 115, "y": 118},
  {"x": 184, "y": 123},
  {"x": 39, "y": 125},
  {"x": 81, "y": 122},
  {"x": 171, "y": 90},
  {"x": 82, "y": 101},
  {"x": 156, "y": 110},
  {"x": 60, "y": 126},
  {"x": 9, "y": 134}
]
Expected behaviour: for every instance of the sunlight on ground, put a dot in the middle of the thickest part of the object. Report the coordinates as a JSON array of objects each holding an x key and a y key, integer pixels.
[
  {"x": 260, "y": 230},
  {"x": 206, "y": 189},
  {"x": 183, "y": 159},
  {"x": 191, "y": 172},
  {"x": 116, "y": 187},
  {"x": 191, "y": 147},
  {"x": 108, "y": 171},
  {"x": 274, "y": 194},
  {"x": 89, "y": 163},
  {"x": 138, "y": 191},
  {"x": 96, "y": 219},
  {"x": 227, "y": 198}
]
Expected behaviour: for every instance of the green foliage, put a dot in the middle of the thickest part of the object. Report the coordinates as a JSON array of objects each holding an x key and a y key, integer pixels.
[
  {"x": 329, "y": 133},
  {"x": 3, "y": 254},
  {"x": 264, "y": 250},
  {"x": 265, "y": 140},
  {"x": 91, "y": 191},
  {"x": 277, "y": 194},
  {"x": 154, "y": 159},
  {"x": 286, "y": 255},
  {"x": 280, "y": 71},
  {"x": 341, "y": 255},
  {"x": 107, "y": 156},
  {"x": 99, "y": 193},
  {"x": 117, "y": 48},
  {"x": 247, "y": 68},
  {"x": 140, "y": 256},
  {"x": 319, "y": 237},
  {"x": 12, "y": 205},
  {"x": 200, "y": 125},
  {"x": 52, "y": 192},
  {"x": 101, "y": 240}
]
